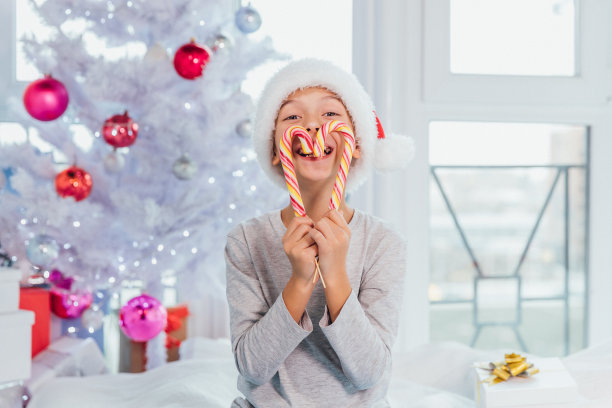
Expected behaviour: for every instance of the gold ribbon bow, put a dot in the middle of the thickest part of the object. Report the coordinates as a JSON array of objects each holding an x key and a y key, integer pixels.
[{"x": 514, "y": 365}]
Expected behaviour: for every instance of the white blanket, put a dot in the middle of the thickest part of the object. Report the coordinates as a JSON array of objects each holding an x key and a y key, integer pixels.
[{"x": 435, "y": 375}]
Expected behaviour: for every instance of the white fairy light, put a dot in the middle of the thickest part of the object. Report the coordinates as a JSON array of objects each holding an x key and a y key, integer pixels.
[
  {"x": 211, "y": 180},
  {"x": 121, "y": 268},
  {"x": 194, "y": 250},
  {"x": 112, "y": 280},
  {"x": 76, "y": 224},
  {"x": 71, "y": 329},
  {"x": 154, "y": 261},
  {"x": 185, "y": 233},
  {"x": 172, "y": 252},
  {"x": 160, "y": 247}
]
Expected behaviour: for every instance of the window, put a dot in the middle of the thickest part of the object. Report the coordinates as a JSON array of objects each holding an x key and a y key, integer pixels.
[
  {"x": 508, "y": 235},
  {"x": 299, "y": 29}
]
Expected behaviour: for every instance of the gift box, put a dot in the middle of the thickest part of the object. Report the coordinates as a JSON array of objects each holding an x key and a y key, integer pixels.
[
  {"x": 15, "y": 338},
  {"x": 66, "y": 357},
  {"x": 9, "y": 289},
  {"x": 38, "y": 301},
  {"x": 176, "y": 330},
  {"x": 552, "y": 387}
]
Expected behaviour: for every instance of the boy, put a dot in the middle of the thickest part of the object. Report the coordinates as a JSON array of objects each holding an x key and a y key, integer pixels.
[{"x": 296, "y": 343}]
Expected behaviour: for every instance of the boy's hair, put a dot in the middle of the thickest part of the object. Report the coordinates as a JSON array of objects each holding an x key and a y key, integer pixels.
[{"x": 309, "y": 73}]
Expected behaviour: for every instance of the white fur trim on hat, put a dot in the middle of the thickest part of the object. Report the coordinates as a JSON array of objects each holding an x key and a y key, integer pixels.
[{"x": 308, "y": 73}]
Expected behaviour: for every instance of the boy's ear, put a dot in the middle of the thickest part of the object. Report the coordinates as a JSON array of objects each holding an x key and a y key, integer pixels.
[
  {"x": 275, "y": 158},
  {"x": 356, "y": 152}
]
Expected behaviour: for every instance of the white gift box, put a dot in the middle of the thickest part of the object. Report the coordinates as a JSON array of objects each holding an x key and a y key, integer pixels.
[
  {"x": 9, "y": 289},
  {"x": 15, "y": 345},
  {"x": 552, "y": 387},
  {"x": 66, "y": 357}
]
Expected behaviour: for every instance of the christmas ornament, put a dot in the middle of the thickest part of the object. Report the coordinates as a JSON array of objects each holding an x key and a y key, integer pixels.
[
  {"x": 184, "y": 168},
  {"x": 46, "y": 99},
  {"x": 92, "y": 318},
  {"x": 219, "y": 43},
  {"x": 190, "y": 59},
  {"x": 247, "y": 19},
  {"x": 245, "y": 128},
  {"x": 120, "y": 130},
  {"x": 114, "y": 162},
  {"x": 73, "y": 182},
  {"x": 57, "y": 279},
  {"x": 156, "y": 53},
  {"x": 42, "y": 250},
  {"x": 142, "y": 318},
  {"x": 69, "y": 304}
]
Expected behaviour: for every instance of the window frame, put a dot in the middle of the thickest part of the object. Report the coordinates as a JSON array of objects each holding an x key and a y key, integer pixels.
[
  {"x": 586, "y": 87},
  {"x": 389, "y": 57}
]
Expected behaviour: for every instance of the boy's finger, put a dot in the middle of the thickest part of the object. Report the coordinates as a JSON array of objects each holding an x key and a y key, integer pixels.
[
  {"x": 296, "y": 222},
  {"x": 338, "y": 219},
  {"x": 324, "y": 226}
]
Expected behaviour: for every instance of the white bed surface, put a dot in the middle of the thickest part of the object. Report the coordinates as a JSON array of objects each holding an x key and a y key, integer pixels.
[{"x": 434, "y": 375}]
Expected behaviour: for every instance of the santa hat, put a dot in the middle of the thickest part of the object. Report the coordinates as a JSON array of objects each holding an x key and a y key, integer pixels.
[{"x": 377, "y": 150}]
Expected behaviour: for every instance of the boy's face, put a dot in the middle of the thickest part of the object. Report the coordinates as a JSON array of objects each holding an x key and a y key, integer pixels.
[{"x": 311, "y": 108}]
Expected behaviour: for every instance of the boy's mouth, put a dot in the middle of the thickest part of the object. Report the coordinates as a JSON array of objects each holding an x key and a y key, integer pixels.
[{"x": 328, "y": 150}]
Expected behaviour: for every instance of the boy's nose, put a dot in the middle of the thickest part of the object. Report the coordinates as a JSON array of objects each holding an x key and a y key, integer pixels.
[{"x": 316, "y": 129}]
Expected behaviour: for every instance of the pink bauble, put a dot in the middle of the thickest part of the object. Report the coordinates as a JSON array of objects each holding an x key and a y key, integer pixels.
[
  {"x": 142, "y": 318},
  {"x": 46, "y": 99},
  {"x": 190, "y": 59},
  {"x": 70, "y": 304},
  {"x": 120, "y": 130}
]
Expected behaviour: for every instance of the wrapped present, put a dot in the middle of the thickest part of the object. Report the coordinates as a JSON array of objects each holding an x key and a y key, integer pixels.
[
  {"x": 15, "y": 337},
  {"x": 37, "y": 300},
  {"x": 543, "y": 382},
  {"x": 66, "y": 357},
  {"x": 9, "y": 289}
]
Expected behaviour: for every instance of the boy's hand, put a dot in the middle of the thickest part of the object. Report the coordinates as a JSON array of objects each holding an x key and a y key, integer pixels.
[
  {"x": 300, "y": 248},
  {"x": 332, "y": 236}
]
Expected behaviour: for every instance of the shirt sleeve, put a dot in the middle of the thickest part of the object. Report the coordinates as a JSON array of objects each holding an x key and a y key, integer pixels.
[
  {"x": 262, "y": 335},
  {"x": 364, "y": 331}
]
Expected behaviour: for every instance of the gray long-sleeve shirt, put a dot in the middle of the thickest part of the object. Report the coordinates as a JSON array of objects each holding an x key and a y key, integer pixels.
[{"x": 315, "y": 363}]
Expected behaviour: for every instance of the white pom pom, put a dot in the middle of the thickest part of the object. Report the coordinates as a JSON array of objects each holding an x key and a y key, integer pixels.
[{"x": 394, "y": 152}]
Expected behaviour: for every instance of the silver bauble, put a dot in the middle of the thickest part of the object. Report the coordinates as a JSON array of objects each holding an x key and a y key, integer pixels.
[
  {"x": 114, "y": 162},
  {"x": 42, "y": 250},
  {"x": 219, "y": 44},
  {"x": 92, "y": 319},
  {"x": 247, "y": 19},
  {"x": 184, "y": 168},
  {"x": 156, "y": 53},
  {"x": 244, "y": 128}
]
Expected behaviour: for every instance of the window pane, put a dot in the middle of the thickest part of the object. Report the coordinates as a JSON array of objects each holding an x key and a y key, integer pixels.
[
  {"x": 513, "y": 37},
  {"x": 508, "y": 235},
  {"x": 315, "y": 34}
]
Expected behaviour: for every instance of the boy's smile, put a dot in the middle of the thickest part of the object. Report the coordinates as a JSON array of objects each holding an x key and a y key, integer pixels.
[{"x": 311, "y": 108}]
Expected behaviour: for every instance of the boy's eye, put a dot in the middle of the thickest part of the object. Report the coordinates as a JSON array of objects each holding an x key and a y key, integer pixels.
[
  {"x": 291, "y": 117},
  {"x": 330, "y": 114}
]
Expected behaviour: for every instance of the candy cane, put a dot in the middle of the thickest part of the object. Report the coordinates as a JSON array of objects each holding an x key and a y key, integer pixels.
[
  {"x": 317, "y": 149},
  {"x": 286, "y": 156},
  {"x": 345, "y": 163}
]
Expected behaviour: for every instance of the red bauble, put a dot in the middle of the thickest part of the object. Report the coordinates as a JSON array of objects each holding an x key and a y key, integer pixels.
[
  {"x": 73, "y": 182},
  {"x": 120, "y": 130},
  {"x": 190, "y": 59},
  {"x": 46, "y": 99}
]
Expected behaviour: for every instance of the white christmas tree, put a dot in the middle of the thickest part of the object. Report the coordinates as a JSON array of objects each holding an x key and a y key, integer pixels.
[{"x": 164, "y": 204}]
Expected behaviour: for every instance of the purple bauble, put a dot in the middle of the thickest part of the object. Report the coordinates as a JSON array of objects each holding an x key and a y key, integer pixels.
[
  {"x": 46, "y": 99},
  {"x": 143, "y": 318}
]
